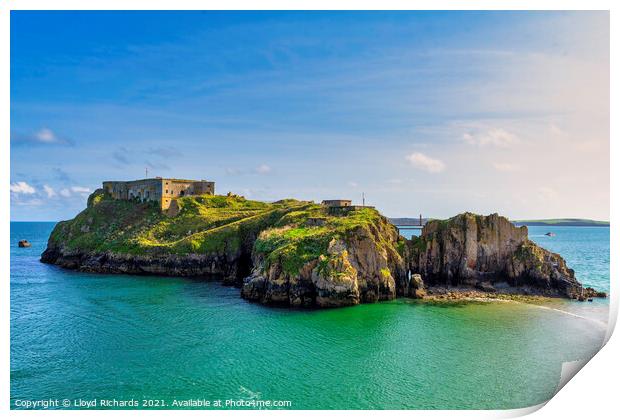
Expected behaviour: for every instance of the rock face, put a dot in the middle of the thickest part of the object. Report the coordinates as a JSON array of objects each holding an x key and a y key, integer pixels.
[
  {"x": 363, "y": 267},
  {"x": 228, "y": 266},
  {"x": 412, "y": 286},
  {"x": 481, "y": 251}
]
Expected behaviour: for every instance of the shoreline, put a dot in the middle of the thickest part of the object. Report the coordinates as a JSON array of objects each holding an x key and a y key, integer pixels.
[
  {"x": 432, "y": 294},
  {"x": 456, "y": 294}
]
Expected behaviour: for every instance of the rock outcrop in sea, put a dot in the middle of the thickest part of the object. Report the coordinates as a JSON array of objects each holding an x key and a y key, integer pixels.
[
  {"x": 487, "y": 252},
  {"x": 299, "y": 254}
]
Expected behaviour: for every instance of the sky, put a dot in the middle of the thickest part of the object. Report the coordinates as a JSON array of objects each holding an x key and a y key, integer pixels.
[{"x": 431, "y": 113}]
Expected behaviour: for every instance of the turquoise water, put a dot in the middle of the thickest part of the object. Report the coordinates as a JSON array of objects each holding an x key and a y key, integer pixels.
[{"x": 77, "y": 335}]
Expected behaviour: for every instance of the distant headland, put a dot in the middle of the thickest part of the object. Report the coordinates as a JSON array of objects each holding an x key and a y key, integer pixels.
[
  {"x": 562, "y": 222},
  {"x": 412, "y": 221},
  {"x": 300, "y": 253}
]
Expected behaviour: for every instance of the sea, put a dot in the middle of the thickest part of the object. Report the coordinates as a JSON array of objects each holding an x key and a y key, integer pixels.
[{"x": 170, "y": 342}]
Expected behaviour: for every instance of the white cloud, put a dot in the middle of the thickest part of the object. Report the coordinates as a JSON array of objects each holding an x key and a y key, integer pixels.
[
  {"x": 45, "y": 135},
  {"x": 28, "y": 202},
  {"x": 49, "y": 191},
  {"x": 80, "y": 189},
  {"x": 352, "y": 184},
  {"x": 395, "y": 181},
  {"x": 263, "y": 169},
  {"x": 66, "y": 192},
  {"x": 22, "y": 187},
  {"x": 506, "y": 167},
  {"x": 491, "y": 137},
  {"x": 426, "y": 163}
]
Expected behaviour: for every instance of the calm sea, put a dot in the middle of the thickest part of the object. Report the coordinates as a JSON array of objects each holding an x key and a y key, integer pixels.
[{"x": 77, "y": 335}]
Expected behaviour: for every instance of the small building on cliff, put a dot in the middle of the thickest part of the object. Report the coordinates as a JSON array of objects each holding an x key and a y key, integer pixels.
[
  {"x": 161, "y": 190},
  {"x": 342, "y": 206},
  {"x": 336, "y": 203}
]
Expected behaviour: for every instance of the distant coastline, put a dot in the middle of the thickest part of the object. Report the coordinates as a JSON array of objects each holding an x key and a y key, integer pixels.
[
  {"x": 407, "y": 221},
  {"x": 404, "y": 221},
  {"x": 561, "y": 222}
]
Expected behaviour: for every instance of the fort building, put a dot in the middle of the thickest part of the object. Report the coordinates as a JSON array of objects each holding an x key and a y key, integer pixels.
[
  {"x": 342, "y": 206},
  {"x": 336, "y": 203},
  {"x": 161, "y": 190}
]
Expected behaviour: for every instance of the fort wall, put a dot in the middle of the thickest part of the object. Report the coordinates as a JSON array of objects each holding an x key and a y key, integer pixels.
[{"x": 161, "y": 190}]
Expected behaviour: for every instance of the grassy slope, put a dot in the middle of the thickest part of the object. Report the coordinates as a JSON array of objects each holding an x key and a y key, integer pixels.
[
  {"x": 297, "y": 239},
  {"x": 293, "y": 232}
]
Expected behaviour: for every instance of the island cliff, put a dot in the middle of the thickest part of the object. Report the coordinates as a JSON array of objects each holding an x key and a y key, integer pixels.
[
  {"x": 298, "y": 253},
  {"x": 489, "y": 252}
]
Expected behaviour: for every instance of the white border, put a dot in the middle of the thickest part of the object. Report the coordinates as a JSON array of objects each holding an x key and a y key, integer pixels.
[
  {"x": 592, "y": 394},
  {"x": 308, "y": 5}
]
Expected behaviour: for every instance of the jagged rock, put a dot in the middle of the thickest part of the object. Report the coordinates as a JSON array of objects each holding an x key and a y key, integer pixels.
[
  {"x": 417, "y": 286},
  {"x": 352, "y": 270},
  {"x": 334, "y": 278},
  {"x": 223, "y": 265},
  {"x": 412, "y": 286},
  {"x": 485, "y": 286},
  {"x": 470, "y": 249},
  {"x": 253, "y": 287},
  {"x": 24, "y": 244}
]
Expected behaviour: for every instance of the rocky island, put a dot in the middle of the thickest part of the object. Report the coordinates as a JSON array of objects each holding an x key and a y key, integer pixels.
[{"x": 302, "y": 254}]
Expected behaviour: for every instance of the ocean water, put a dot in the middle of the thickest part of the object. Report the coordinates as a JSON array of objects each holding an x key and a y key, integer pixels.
[{"x": 90, "y": 336}]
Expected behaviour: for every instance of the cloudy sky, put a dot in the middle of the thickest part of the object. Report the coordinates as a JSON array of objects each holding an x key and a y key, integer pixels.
[{"x": 425, "y": 112}]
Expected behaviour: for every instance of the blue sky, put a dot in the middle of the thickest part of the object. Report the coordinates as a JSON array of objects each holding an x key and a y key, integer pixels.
[{"x": 426, "y": 112}]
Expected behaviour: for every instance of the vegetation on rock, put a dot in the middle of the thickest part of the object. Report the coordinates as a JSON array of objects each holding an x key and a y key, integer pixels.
[
  {"x": 204, "y": 224},
  {"x": 304, "y": 235},
  {"x": 130, "y": 236},
  {"x": 298, "y": 253}
]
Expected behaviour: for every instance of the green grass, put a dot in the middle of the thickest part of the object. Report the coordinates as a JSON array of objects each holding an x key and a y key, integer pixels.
[
  {"x": 293, "y": 246},
  {"x": 204, "y": 224},
  {"x": 289, "y": 232},
  {"x": 292, "y": 242}
]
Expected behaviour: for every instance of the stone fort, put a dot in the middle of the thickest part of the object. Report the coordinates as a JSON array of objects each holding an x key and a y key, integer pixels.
[{"x": 162, "y": 190}]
